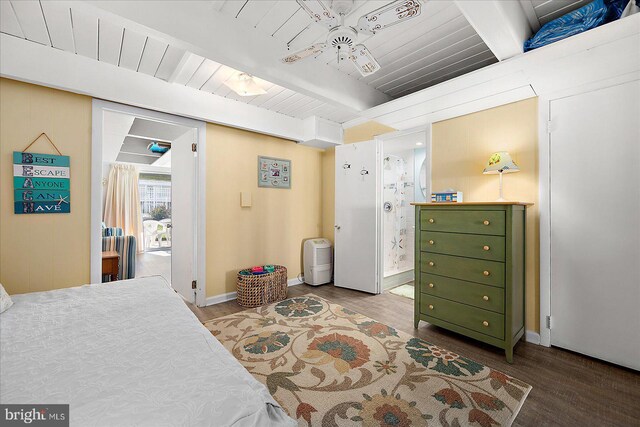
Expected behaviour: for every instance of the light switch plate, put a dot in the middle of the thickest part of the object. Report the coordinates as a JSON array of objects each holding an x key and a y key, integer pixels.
[{"x": 245, "y": 199}]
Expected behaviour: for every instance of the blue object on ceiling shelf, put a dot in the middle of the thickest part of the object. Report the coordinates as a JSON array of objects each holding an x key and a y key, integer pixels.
[
  {"x": 157, "y": 148},
  {"x": 590, "y": 16}
]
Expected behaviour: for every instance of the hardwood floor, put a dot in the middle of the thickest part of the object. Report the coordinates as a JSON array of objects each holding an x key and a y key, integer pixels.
[
  {"x": 568, "y": 389},
  {"x": 154, "y": 263}
]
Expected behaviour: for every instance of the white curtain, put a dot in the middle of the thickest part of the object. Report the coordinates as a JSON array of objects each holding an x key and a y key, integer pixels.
[{"x": 122, "y": 203}]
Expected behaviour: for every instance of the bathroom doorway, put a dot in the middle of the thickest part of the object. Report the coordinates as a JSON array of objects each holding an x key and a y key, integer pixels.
[
  {"x": 405, "y": 173},
  {"x": 374, "y": 232}
]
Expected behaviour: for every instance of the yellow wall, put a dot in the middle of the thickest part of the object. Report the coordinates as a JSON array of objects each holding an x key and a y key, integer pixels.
[
  {"x": 328, "y": 192},
  {"x": 43, "y": 252},
  {"x": 273, "y": 229},
  {"x": 460, "y": 148},
  {"x": 46, "y": 251},
  {"x": 364, "y": 132}
]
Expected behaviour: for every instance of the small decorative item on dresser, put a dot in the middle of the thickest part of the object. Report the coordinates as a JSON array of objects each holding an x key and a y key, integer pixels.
[
  {"x": 469, "y": 270},
  {"x": 258, "y": 288},
  {"x": 447, "y": 196}
]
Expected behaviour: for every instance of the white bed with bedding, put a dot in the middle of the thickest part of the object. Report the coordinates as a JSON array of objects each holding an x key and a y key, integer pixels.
[{"x": 122, "y": 354}]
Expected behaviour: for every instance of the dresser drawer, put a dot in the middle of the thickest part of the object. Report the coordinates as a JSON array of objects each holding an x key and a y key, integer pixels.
[
  {"x": 476, "y": 319},
  {"x": 475, "y": 294},
  {"x": 472, "y": 270},
  {"x": 467, "y": 245},
  {"x": 476, "y": 222}
]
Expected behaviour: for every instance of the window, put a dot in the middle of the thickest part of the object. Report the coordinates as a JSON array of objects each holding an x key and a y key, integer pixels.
[{"x": 155, "y": 191}]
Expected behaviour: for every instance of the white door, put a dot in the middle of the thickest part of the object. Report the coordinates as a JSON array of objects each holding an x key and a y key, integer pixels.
[
  {"x": 183, "y": 219},
  {"x": 595, "y": 224},
  {"x": 357, "y": 217}
]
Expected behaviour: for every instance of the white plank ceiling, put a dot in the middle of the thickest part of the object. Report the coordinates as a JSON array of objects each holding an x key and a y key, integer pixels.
[
  {"x": 437, "y": 46},
  {"x": 62, "y": 27}
]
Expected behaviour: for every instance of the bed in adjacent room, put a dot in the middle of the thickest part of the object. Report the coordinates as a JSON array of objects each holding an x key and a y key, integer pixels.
[{"x": 125, "y": 353}]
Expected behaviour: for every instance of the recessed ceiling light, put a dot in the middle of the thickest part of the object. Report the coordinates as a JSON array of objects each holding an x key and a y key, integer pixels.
[
  {"x": 418, "y": 143},
  {"x": 244, "y": 85}
]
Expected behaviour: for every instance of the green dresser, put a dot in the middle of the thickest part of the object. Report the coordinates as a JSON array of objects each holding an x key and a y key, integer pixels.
[{"x": 470, "y": 269}]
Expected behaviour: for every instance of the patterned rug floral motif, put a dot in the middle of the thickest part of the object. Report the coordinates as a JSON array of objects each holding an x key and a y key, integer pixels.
[{"x": 330, "y": 366}]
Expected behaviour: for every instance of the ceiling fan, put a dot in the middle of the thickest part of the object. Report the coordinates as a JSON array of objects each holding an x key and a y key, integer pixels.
[{"x": 342, "y": 38}]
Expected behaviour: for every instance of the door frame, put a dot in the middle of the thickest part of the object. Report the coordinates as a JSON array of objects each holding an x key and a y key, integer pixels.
[
  {"x": 380, "y": 139},
  {"x": 545, "y": 130},
  {"x": 98, "y": 108}
]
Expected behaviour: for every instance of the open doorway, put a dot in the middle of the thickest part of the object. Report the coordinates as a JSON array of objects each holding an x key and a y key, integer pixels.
[
  {"x": 149, "y": 214},
  {"x": 405, "y": 179},
  {"x": 375, "y": 232},
  {"x": 155, "y": 203}
]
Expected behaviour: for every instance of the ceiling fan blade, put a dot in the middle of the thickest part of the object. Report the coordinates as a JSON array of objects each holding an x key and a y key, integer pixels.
[
  {"x": 312, "y": 50},
  {"x": 389, "y": 15},
  {"x": 364, "y": 60},
  {"x": 319, "y": 12}
]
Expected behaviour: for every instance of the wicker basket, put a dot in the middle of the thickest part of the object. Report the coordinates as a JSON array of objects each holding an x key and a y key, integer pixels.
[{"x": 257, "y": 290}]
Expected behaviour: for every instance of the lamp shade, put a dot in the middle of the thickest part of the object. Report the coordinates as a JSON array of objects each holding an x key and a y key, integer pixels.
[{"x": 500, "y": 162}]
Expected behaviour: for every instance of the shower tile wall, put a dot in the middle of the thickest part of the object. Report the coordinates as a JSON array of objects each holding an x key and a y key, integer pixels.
[{"x": 398, "y": 193}]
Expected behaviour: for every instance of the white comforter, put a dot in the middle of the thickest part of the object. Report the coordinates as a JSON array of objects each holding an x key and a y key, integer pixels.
[{"x": 123, "y": 354}]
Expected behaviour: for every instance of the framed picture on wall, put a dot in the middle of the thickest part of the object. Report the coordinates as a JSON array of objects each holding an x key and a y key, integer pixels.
[{"x": 274, "y": 173}]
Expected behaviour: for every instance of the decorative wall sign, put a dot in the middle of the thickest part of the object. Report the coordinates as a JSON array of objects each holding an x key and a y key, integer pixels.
[
  {"x": 274, "y": 173},
  {"x": 40, "y": 183}
]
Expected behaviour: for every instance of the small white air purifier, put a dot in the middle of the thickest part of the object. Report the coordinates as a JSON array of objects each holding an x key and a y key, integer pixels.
[{"x": 318, "y": 262}]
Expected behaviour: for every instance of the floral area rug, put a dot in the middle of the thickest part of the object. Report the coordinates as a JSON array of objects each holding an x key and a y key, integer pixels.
[{"x": 330, "y": 366}]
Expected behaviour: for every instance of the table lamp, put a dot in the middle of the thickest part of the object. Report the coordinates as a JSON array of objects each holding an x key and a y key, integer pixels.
[{"x": 500, "y": 162}]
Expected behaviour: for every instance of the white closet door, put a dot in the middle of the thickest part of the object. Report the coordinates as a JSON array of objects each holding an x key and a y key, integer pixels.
[
  {"x": 183, "y": 219},
  {"x": 595, "y": 224},
  {"x": 357, "y": 217}
]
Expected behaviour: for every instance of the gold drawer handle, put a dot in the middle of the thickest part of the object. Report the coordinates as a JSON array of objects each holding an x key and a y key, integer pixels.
[
  {"x": 431, "y": 220},
  {"x": 430, "y": 307},
  {"x": 486, "y": 248},
  {"x": 486, "y": 298},
  {"x": 485, "y": 323},
  {"x": 431, "y": 263},
  {"x": 431, "y": 242},
  {"x": 486, "y": 273},
  {"x": 486, "y": 222},
  {"x": 431, "y": 285}
]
